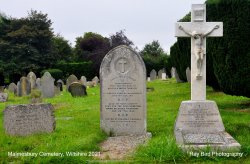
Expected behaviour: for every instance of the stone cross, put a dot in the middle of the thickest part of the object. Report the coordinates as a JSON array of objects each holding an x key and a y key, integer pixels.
[
  {"x": 122, "y": 62},
  {"x": 198, "y": 29}
]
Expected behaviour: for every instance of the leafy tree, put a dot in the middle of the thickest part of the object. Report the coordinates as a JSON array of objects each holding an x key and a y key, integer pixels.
[
  {"x": 92, "y": 47},
  {"x": 62, "y": 48},
  {"x": 153, "y": 49},
  {"x": 26, "y": 44},
  {"x": 155, "y": 58},
  {"x": 119, "y": 38}
]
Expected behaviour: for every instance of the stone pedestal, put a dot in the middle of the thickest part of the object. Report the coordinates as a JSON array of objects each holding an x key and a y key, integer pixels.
[{"x": 199, "y": 125}]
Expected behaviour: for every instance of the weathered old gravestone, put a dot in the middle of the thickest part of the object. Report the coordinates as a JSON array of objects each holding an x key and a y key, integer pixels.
[
  {"x": 77, "y": 89},
  {"x": 90, "y": 84},
  {"x": 12, "y": 88},
  {"x": 175, "y": 75},
  {"x": 57, "y": 90},
  {"x": 123, "y": 92},
  {"x": 47, "y": 85},
  {"x": 2, "y": 89},
  {"x": 160, "y": 73},
  {"x": 163, "y": 76},
  {"x": 188, "y": 74},
  {"x": 18, "y": 86},
  {"x": 173, "y": 69},
  {"x": 153, "y": 75},
  {"x": 3, "y": 97},
  {"x": 199, "y": 124},
  {"x": 38, "y": 84},
  {"x": 83, "y": 80},
  {"x": 60, "y": 81},
  {"x": 23, "y": 87},
  {"x": 24, "y": 120},
  {"x": 95, "y": 81},
  {"x": 60, "y": 84},
  {"x": 71, "y": 79},
  {"x": 32, "y": 78}
]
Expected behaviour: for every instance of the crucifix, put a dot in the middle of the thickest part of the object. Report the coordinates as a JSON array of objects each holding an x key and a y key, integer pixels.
[{"x": 198, "y": 29}]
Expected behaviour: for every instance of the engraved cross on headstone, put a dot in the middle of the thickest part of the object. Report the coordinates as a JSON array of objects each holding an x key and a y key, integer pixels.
[
  {"x": 198, "y": 29},
  {"x": 122, "y": 62}
]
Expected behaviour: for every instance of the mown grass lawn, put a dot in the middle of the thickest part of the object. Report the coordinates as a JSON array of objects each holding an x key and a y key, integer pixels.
[{"x": 78, "y": 127}]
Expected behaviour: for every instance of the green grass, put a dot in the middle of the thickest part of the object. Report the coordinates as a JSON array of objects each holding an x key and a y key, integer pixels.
[{"x": 78, "y": 127}]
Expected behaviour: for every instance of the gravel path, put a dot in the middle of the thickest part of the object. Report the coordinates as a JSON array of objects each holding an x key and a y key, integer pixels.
[{"x": 118, "y": 148}]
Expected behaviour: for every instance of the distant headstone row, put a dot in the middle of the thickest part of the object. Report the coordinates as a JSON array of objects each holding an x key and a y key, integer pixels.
[
  {"x": 77, "y": 88},
  {"x": 161, "y": 75},
  {"x": 46, "y": 85}
]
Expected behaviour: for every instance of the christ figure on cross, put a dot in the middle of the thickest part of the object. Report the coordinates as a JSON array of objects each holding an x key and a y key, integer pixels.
[{"x": 198, "y": 46}]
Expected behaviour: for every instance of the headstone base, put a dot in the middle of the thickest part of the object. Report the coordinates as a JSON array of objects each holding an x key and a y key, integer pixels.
[{"x": 199, "y": 126}]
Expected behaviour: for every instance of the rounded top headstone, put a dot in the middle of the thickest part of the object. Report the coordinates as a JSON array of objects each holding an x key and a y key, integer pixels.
[
  {"x": 47, "y": 74},
  {"x": 31, "y": 74},
  {"x": 77, "y": 89},
  {"x": 72, "y": 78},
  {"x": 123, "y": 92}
]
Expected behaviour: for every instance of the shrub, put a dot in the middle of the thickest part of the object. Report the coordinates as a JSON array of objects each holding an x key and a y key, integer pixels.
[{"x": 78, "y": 69}]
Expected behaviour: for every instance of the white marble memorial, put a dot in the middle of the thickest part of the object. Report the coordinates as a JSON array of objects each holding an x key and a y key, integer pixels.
[
  {"x": 163, "y": 76},
  {"x": 199, "y": 124}
]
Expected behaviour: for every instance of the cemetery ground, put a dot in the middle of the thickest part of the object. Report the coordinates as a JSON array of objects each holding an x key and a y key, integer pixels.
[{"x": 78, "y": 128}]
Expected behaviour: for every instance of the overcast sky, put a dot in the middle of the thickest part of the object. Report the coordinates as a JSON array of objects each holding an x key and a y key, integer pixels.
[{"x": 143, "y": 20}]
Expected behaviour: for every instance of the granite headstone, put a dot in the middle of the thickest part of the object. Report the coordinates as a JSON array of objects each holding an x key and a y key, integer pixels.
[
  {"x": 153, "y": 75},
  {"x": 23, "y": 87},
  {"x": 71, "y": 79},
  {"x": 123, "y": 92},
  {"x": 77, "y": 89},
  {"x": 22, "y": 120},
  {"x": 60, "y": 84},
  {"x": 3, "y": 97},
  {"x": 38, "y": 84},
  {"x": 83, "y": 80},
  {"x": 12, "y": 88},
  {"x": 188, "y": 74},
  {"x": 47, "y": 85},
  {"x": 160, "y": 72},
  {"x": 32, "y": 78},
  {"x": 173, "y": 69},
  {"x": 95, "y": 81}
]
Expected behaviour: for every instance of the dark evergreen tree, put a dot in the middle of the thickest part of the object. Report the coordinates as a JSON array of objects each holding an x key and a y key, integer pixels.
[
  {"x": 180, "y": 53},
  {"x": 26, "y": 44},
  {"x": 228, "y": 57},
  {"x": 231, "y": 53}
]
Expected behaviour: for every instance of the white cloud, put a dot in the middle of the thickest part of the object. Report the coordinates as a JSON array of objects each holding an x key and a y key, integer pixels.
[{"x": 144, "y": 20}]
